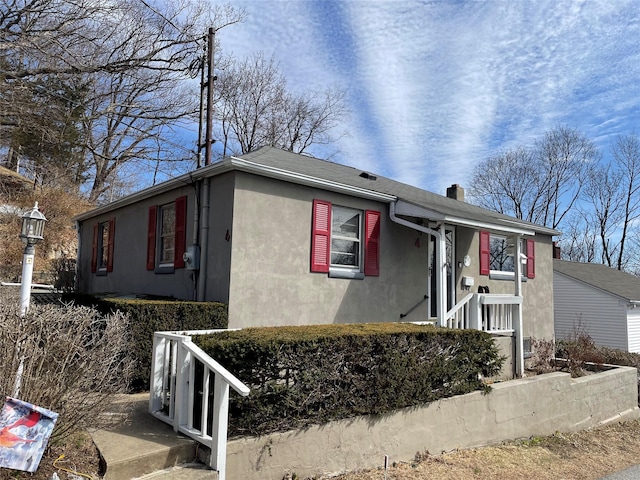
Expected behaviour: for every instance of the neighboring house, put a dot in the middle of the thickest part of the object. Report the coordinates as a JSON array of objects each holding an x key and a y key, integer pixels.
[
  {"x": 286, "y": 239},
  {"x": 598, "y": 300}
]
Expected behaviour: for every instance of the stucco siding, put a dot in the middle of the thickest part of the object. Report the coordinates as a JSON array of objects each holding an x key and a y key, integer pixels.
[
  {"x": 130, "y": 275},
  {"x": 221, "y": 195},
  {"x": 271, "y": 282},
  {"x": 580, "y": 306},
  {"x": 537, "y": 306}
]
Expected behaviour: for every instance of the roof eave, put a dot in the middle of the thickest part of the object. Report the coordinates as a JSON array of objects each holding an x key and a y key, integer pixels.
[
  {"x": 186, "y": 179},
  {"x": 413, "y": 210},
  {"x": 308, "y": 180}
]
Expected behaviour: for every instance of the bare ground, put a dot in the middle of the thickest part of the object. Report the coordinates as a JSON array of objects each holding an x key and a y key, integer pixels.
[{"x": 587, "y": 455}]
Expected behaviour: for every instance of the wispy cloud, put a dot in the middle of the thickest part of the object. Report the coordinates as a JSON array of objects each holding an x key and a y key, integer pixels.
[{"x": 436, "y": 87}]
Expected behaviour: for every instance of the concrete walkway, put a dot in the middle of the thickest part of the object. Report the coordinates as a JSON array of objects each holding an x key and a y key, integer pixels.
[
  {"x": 144, "y": 447},
  {"x": 631, "y": 473}
]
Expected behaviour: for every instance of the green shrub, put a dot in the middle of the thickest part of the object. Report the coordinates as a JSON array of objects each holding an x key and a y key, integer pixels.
[
  {"x": 149, "y": 316},
  {"x": 310, "y": 375}
]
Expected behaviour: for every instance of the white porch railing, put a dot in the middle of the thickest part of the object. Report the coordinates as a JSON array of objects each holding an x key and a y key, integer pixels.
[
  {"x": 173, "y": 396},
  {"x": 492, "y": 313}
]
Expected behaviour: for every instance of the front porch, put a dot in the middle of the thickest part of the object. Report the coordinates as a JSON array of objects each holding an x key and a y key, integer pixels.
[{"x": 456, "y": 267}]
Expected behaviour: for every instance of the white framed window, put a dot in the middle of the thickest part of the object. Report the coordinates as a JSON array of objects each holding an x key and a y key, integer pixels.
[
  {"x": 166, "y": 236},
  {"x": 103, "y": 245},
  {"x": 497, "y": 256},
  {"x": 167, "y": 239},
  {"x": 345, "y": 242},
  {"x": 346, "y": 235},
  {"x": 501, "y": 254}
]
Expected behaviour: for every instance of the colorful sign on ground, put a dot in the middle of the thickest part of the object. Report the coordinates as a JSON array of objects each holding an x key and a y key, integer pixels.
[{"x": 24, "y": 432}]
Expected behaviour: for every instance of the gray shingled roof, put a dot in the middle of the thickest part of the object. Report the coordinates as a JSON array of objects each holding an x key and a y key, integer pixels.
[
  {"x": 602, "y": 277},
  {"x": 305, "y": 165}
]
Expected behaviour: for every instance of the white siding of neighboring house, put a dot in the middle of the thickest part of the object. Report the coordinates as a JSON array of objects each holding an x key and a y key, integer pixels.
[
  {"x": 602, "y": 315},
  {"x": 633, "y": 322}
]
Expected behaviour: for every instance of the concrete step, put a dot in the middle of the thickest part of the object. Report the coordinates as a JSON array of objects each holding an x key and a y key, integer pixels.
[
  {"x": 141, "y": 444},
  {"x": 187, "y": 471}
]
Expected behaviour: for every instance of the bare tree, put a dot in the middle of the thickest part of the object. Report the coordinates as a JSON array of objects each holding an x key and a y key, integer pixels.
[
  {"x": 565, "y": 156},
  {"x": 579, "y": 241},
  {"x": 603, "y": 195},
  {"x": 255, "y": 108},
  {"x": 131, "y": 55},
  {"x": 540, "y": 184},
  {"x": 501, "y": 183},
  {"x": 626, "y": 155}
]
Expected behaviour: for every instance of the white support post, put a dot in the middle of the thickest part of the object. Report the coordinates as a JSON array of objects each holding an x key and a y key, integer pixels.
[
  {"x": 218, "y": 458},
  {"x": 517, "y": 320},
  {"x": 475, "y": 313},
  {"x": 441, "y": 277},
  {"x": 157, "y": 374},
  {"x": 182, "y": 388},
  {"x": 27, "y": 276},
  {"x": 191, "y": 391},
  {"x": 173, "y": 374},
  {"x": 204, "y": 417}
]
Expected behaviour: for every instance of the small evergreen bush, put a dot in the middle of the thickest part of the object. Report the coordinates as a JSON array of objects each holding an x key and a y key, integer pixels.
[
  {"x": 147, "y": 316},
  {"x": 310, "y": 375}
]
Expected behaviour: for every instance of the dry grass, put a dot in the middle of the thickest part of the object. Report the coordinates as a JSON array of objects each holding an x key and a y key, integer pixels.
[
  {"x": 80, "y": 455},
  {"x": 585, "y": 455}
]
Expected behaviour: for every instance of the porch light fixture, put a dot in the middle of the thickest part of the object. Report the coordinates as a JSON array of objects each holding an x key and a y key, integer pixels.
[{"x": 32, "y": 229}]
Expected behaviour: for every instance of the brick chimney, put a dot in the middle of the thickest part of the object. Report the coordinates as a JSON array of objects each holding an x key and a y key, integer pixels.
[
  {"x": 556, "y": 251},
  {"x": 456, "y": 192}
]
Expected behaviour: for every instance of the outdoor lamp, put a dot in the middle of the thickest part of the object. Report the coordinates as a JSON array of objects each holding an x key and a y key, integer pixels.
[
  {"x": 32, "y": 226},
  {"x": 32, "y": 229}
]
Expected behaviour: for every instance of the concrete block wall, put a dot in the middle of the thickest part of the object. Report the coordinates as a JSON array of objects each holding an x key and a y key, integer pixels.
[{"x": 539, "y": 405}]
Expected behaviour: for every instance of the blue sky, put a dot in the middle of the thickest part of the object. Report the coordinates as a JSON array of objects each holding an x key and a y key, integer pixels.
[{"x": 435, "y": 87}]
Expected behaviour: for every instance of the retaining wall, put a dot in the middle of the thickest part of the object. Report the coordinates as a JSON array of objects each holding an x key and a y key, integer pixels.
[{"x": 539, "y": 405}]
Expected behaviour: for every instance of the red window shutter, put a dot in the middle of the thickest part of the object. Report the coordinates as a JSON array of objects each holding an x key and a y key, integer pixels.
[
  {"x": 94, "y": 250},
  {"x": 112, "y": 234},
  {"x": 151, "y": 238},
  {"x": 372, "y": 243},
  {"x": 181, "y": 232},
  {"x": 531, "y": 259},
  {"x": 485, "y": 250},
  {"x": 321, "y": 236}
]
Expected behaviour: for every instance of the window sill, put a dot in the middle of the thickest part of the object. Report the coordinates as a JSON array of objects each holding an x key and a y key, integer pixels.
[
  {"x": 164, "y": 269},
  {"x": 497, "y": 275},
  {"x": 345, "y": 273},
  {"x": 101, "y": 272}
]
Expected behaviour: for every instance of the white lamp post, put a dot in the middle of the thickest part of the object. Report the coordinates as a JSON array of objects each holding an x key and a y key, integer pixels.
[{"x": 32, "y": 230}]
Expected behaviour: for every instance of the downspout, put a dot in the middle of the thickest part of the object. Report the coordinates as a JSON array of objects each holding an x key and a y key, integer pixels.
[
  {"x": 196, "y": 238},
  {"x": 204, "y": 240},
  {"x": 440, "y": 262}
]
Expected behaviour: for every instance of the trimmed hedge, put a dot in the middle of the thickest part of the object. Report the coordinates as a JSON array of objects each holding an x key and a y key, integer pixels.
[
  {"x": 149, "y": 316},
  {"x": 311, "y": 375}
]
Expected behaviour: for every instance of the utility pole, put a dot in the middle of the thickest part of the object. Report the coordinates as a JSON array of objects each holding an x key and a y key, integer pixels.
[
  {"x": 206, "y": 117},
  {"x": 210, "y": 79}
]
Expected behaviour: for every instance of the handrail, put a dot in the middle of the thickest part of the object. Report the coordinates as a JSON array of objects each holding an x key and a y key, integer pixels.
[
  {"x": 173, "y": 392},
  {"x": 459, "y": 306},
  {"x": 218, "y": 369},
  {"x": 499, "y": 299},
  {"x": 402, "y": 315}
]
